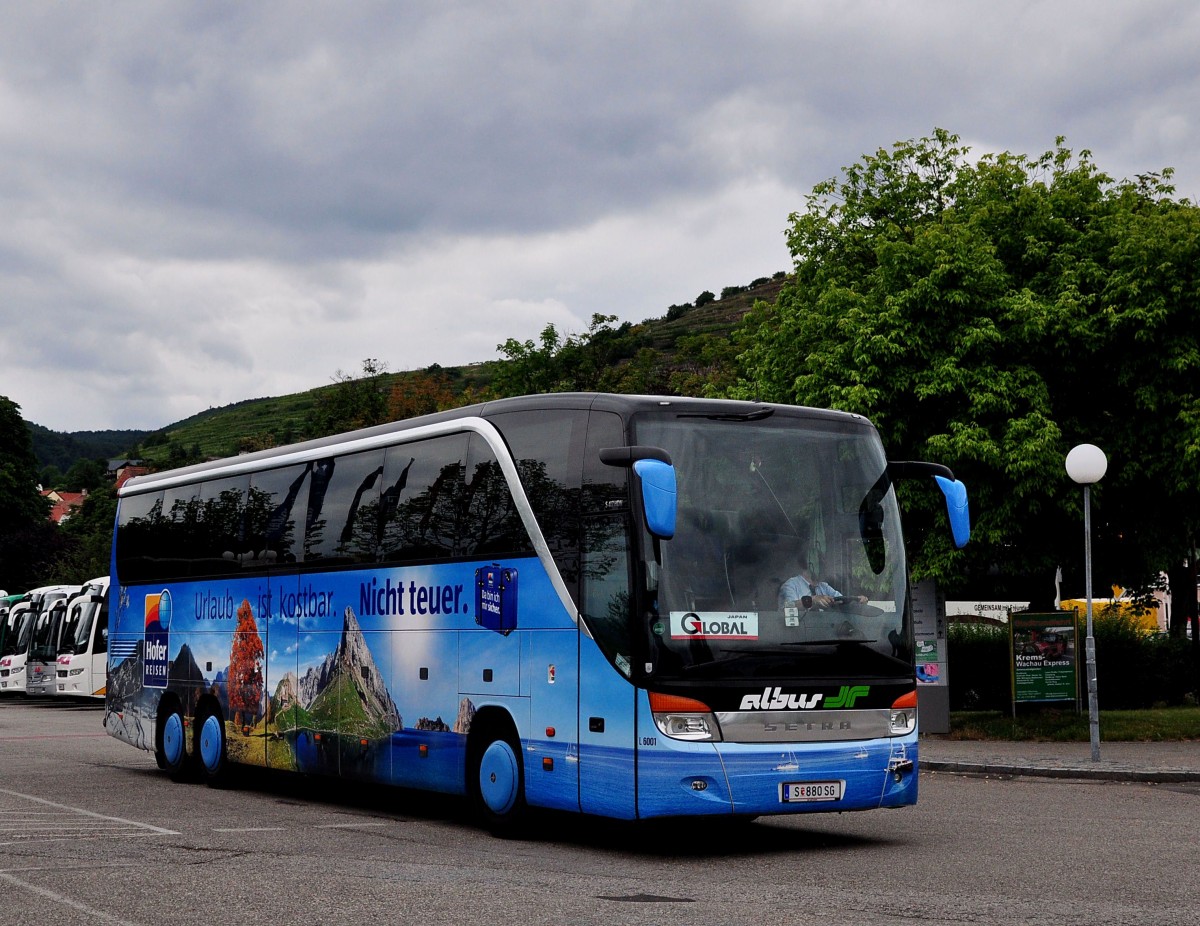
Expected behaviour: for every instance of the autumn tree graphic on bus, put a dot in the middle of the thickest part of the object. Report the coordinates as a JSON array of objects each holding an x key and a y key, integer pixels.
[{"x": 246, "y": 670}]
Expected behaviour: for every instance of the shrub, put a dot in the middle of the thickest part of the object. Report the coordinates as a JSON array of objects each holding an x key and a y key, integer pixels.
[{"x": 1134, "y": 669}]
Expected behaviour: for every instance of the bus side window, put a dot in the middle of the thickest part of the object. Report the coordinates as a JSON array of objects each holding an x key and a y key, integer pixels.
[
  {"x": 179, "y": 540},
  {"x": 491, "y": 524},
  {"x": 342, "y": 508},
  {"x": 605, "y": 488},
  {"x": 605, "y": 589},
  {"x": 605, "y": 601},
  {"x": 274, "y": 503},
  {"x": 420, "y": 505},
  {"x": 138, "y": 537},
  {"x": 547, "y": 447},
  {"x": 223, "y": 546}
]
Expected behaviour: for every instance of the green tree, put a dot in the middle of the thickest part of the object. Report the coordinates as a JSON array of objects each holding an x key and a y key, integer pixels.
[
  {"x": 352, "y": 402},
  {"x": 582, "y": 362},
  {"x": 87, "y": 534},
  {"x": 706, "y": 365},
  {"x": 529, "y": 368},
  {"x": 421, "y": 392},
  {"x": 990, "y": 314},
  {"x": 27, "y": 538},
  {"x": 85, "y": 474}
]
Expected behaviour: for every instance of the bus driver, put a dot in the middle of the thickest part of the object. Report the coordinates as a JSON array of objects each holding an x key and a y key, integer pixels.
[{"x": 804, "y": 590}]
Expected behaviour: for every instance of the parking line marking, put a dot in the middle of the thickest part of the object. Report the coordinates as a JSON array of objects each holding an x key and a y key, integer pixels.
[
  {"x": 97, "y": 915},
  {"x": 90, "y": 813}
]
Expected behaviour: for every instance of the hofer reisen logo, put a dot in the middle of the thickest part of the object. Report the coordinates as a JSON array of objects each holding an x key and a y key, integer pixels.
[{"x": 156, "y": 650}]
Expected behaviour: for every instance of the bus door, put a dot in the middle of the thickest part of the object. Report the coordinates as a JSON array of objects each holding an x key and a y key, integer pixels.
[
  {"x": 607, "y": 770},
  {"x": 97, "y": 654}
]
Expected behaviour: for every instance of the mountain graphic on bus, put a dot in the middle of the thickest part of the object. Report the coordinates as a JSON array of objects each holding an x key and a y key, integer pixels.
[{"x": 345, "y": 692}]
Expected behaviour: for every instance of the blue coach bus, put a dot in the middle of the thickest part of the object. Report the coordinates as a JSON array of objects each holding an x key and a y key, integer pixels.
[{"x": 567, "y": 601}]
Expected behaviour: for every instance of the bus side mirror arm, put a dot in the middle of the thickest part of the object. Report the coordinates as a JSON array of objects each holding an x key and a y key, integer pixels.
[{"x": 955, "y": 492}]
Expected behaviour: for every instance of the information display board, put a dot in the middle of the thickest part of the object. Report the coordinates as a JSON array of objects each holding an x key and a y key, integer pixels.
[
  {"x": 1044, "y": 657},
  {"x": 932, "y": 657}
]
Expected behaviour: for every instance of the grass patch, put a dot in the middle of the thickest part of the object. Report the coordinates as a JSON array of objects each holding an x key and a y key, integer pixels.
[{"x": 1168, "y": 724}]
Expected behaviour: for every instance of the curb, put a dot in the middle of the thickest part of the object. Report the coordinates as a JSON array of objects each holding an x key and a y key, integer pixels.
[{"x": 1101, "y": 773}]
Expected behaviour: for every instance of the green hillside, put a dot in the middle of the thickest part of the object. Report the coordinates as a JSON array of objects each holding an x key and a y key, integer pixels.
[
  {"x": 270, "y": 421},
  {"x": 63, "y": 450}
]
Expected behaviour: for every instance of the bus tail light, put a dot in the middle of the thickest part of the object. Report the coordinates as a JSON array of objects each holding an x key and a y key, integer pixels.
[
  {"x": 903, "y": 718},
  {"x": 684, "y": 718}
]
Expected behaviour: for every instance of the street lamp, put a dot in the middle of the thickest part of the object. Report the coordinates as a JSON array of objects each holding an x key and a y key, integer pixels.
[{"x": 1086, "y": 464}]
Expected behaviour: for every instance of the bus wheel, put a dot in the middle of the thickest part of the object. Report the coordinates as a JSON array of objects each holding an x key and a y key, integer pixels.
[
  {"x": 169, "y": 750},
  {"x": 498, "y": 785},
  {"x": 213, "y": 758}
]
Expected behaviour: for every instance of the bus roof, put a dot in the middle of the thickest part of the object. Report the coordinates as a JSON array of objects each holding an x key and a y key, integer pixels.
[{"x": 621, "y": 404}]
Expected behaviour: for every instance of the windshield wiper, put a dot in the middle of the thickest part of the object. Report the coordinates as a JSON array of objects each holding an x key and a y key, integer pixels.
[
  {"x": 757, "y": 414},
  {"x": 781, "y": 649},
  {"x": 744, "y": 654}
]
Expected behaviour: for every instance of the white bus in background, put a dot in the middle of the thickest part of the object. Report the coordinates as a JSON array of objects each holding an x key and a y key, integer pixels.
[
  {"x": 14, "y": 638},
  {"x": 48, "y": 622},
  {"x": 83, "y": 644},
  {"x": 19, "y": 635}
]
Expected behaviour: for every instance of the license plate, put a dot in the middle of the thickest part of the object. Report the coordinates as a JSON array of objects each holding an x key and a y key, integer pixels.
[{"x": 796, "y": 792}]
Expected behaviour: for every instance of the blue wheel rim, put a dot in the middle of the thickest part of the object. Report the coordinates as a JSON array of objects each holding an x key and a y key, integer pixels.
[
  {"x": 172, "y": 740},
  {"x": 211, "y": 736},
  {"x": 499, "y": 778}
]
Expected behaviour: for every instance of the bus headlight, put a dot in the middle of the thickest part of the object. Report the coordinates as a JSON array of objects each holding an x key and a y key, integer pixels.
[
  {"x": 78, "y": 671},
  {"x": 684, "y": 718},
  {"x": 903, "y": 716}
]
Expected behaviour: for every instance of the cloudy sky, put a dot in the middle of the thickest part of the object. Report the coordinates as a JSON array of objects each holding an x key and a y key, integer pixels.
[{"x": 203, "y": 202}]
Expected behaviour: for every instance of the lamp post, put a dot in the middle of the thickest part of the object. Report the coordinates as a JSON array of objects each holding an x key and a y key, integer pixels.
[{"x": 1086, "y": 464}]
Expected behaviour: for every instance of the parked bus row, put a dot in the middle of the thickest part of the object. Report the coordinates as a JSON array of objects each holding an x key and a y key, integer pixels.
[{"x": 54, "y": 641}]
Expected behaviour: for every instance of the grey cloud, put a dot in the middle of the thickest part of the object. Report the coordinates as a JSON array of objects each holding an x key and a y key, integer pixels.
[{"x": 191, "y": 183}]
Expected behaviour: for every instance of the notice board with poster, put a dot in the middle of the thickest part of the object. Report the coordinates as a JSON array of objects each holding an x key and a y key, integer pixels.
[
  {"x": 929, "y": 638},
  {"x": 1044, "y": 657}
]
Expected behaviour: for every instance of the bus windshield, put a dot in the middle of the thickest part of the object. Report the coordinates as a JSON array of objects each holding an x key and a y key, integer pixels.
[
  {"x": 19, "y": 624},
  {"x": 787, "y": 561},
  {"x": 77, "y": 633},
  {"x": 14, "y": 624}
]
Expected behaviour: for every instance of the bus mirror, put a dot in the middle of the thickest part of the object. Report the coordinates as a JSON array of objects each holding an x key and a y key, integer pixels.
[
  {"x": 955, "y": 492},
  {"x": 956, "y": 509},
  {"x": 658, "y": 496}
]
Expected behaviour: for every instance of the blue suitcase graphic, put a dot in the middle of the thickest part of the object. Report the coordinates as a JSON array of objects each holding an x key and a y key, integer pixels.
[{"x": 496, "y": 598}]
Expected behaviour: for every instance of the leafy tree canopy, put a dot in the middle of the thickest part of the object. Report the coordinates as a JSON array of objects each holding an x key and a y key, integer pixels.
[
  {"x": 990, "y": 314},
  {"x": 27, "y": 539},
  {"x": 557, "y": 364},
  {"x": 352, "y": 402},
  {"x": 20, "y": 503}
]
